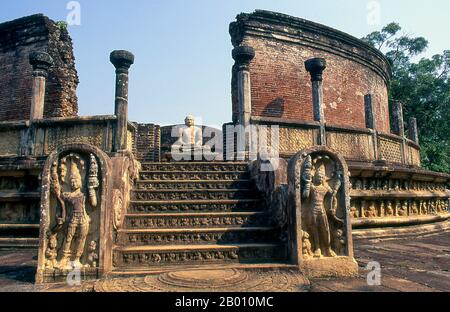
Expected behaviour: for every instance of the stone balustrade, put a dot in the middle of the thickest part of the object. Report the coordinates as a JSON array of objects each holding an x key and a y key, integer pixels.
[
  {"x": 51, "y": 133},
  {"x": 355, "y": 144}
]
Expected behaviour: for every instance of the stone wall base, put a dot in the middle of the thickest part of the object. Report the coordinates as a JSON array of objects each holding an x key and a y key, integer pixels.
[
  {"x": 402, "y": 232},
  {"x": 330, "y": 267}
]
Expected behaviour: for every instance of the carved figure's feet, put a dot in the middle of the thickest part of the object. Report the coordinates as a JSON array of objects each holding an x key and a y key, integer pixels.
[
  {"x": 317, "y": 253},
  {"x": 49, "y": 264},
  {"x": 331, "y": 253},
  {"x": 76, "y": 263},
  {"x": 65, "y": 264},
  {"x": 306, "y": 254}
]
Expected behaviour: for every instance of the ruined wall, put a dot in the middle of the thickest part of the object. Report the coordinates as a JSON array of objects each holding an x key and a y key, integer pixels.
[
  {"x": 18, "y": 39},
  {"x": 280, "y": 84},
  {"x": 147, "y": 142}
]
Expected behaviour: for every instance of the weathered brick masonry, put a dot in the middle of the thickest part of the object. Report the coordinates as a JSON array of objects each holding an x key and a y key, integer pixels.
[
  {"x": 280, "y": 84},
  {"x": 148, "y": 142},
  {"x": 18, "y": 39}
]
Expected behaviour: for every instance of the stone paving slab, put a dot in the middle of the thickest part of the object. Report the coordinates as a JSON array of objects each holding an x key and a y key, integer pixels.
[{"x": 421, "y": 264}]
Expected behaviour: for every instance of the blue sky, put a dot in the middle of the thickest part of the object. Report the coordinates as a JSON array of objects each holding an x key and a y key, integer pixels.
[{"x": 183, "y": 49}]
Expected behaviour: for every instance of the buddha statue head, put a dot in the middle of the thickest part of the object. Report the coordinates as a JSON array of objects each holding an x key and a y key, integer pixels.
[{"x": 189, "y": 121}]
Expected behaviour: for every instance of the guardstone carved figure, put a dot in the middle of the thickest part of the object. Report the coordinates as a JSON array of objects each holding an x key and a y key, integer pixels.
[
  {"x": 306, "y": 245},
  {"x": 92, "y": 259},
  {"x": 51, "y": 253},
  {"x": 74, "y": 201},
  {"x": 323, "y": 204}
]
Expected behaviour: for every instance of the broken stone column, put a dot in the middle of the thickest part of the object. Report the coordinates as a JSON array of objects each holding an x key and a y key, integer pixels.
[
  {"x": 41, "y": 62},
  {"x": 398, "y": 126},
  {"x": 122, "y": 61},
  {"x": 413, "y": 133},
  {"x": 315, "y": 67},
  {"x": 243, "y": 55}
]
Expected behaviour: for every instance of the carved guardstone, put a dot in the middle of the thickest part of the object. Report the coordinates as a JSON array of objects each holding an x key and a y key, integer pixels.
[
  {"x": 74, "y": 217},
  {"x": 320, "y": 237}
]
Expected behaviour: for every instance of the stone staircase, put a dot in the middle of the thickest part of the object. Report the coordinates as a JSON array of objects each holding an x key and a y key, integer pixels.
[
  {"x": 195, "y": 214},
  {"x": 20, "y": 195}
]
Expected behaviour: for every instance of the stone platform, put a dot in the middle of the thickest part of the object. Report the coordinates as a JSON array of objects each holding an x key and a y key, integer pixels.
[
  {"x": 226, "y": 280},
  {"x": 419, "y": 264}
]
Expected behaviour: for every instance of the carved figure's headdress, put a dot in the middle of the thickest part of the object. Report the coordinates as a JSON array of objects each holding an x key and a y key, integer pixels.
[
  {"x": 74, "y": 171},
  {"x": 320, "y": 170}
]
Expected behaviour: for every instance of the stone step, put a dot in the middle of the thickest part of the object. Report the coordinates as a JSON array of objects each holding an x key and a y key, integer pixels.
[
  {"x": 19, "y": 196},
  {"x": 151, "y": 256},
  {"x": 19, "y": 242},
  {"x": 194, "y": 220},
  {"x": 192, "y": 184},
  {"x": 196, "y": 206},
  {"x": 17, "y": 226},
  {"x": 195, "y": 166},
  {"x": 220, "y": 235},
  {"x": 194, "y": 175},
  {"x": 177, "y": 194},
  {"x": 130, "y": 271},
  {"x": 10, "y": 230}
]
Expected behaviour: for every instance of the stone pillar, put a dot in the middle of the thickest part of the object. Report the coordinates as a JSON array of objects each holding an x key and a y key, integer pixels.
[
  {"x": 370, "y": 114},
  {"x": 398, "y": 126},
  {"x": 413, "y": 133},
  {"x": 315, "y": 67},
  {"x": 243, "y": 55},
  {"x": 122, "y": 61},
  {"x": 370, "y": 121},
  {"x": 41, "y": 62}
]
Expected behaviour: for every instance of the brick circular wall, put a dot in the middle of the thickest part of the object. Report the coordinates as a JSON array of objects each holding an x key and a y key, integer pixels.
[{"x": 281, "y": 86}]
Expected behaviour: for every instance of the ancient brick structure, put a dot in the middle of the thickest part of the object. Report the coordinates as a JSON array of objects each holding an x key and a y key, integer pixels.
[
  {"x": 148, "y": 144},
  {"x": 18, "y": 39},
  {"x": 341, "y": 172},
  {"x": 280, "y": 84}
]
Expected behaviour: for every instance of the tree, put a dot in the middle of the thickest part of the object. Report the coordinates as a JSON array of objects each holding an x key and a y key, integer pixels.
[{"x": 423, "y": 87}]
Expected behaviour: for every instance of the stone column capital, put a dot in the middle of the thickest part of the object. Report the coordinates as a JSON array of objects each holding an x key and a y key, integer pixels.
[
  {"x": 41, "y": 63},
  {"x": 122, "y": 60},
  {"x": 243, "y": 55},
  {"x": 315, "y": 67}
]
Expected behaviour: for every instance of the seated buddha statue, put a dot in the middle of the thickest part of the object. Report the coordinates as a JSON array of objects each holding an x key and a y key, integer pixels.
[{"x": 190, "y": 137}]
